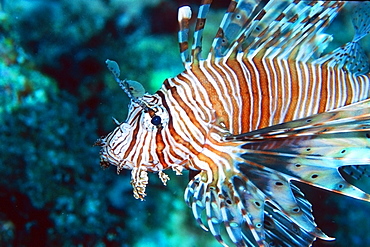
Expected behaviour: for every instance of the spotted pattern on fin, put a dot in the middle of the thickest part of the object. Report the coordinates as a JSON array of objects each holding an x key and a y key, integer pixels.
[
  {"x": 312, "y": 149},
  {"x": 361, "y": 20},
  {"x": 351, "y": 56},
  {"x": 237, "y": 16}
]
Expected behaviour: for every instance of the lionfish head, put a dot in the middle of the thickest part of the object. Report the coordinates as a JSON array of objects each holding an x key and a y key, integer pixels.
[
  {"x": 135, "y": 144},
  {"x": 132, "y": 144}
]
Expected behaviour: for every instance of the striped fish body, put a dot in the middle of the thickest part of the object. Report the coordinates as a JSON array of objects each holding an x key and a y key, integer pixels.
[
  {"x": 248, "y": 94},
  {"x": 263, "y": 109}
]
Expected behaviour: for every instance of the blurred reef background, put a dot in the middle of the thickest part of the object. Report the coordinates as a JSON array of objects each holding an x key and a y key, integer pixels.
[{"x": 57, "y": 98}]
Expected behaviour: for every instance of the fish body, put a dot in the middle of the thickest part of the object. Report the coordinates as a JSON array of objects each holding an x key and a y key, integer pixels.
[{"x": 262, "y": 110}]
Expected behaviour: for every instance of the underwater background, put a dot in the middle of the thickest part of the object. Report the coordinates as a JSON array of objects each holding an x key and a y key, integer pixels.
[{"x": 57, "y": 98}]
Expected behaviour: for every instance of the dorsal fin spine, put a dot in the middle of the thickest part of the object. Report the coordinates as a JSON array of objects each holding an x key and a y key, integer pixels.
[
  {"x": 299, "y": 25},
  {"x": 184, "y": 16},
  {"x": 293, "y": 29},
  {"x": 198, "y": 33},
  {"x": 238, "y": 14}
]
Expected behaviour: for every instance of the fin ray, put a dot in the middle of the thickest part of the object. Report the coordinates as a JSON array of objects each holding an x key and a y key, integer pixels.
[
  {"x": 184, "y": 15},
  {"x": 237, "y": 16},
  {"x": 293, "y": 26},
  {"x": 351, "y": 56},
  {"x": 280, "y": 26},
  {"x": 312, "y": 149}
]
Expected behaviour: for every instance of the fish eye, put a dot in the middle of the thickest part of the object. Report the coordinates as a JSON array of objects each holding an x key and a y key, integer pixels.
[
  {"x": 156, "y": 120},
  {"x": 156, "y": 117}
]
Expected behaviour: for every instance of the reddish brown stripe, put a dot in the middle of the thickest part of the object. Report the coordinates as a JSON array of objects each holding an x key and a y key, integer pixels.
[
  {"x": 312, "y": 3},
  {"x": 260, "y": 15},
  {"x": 312, "y": 95},
  {"x": 293, "y": 19},
  {"x": 306, "y": 91},
  {"x": 324, "y": 87},
  {"x": 336, "y": 81},
  {"x": 184, "y": 24},
  {"x": 280, "y": 17},
  {"x": 254, "y": 94},
  {"x": 159, "y": 150},
  {"x": 183, "y": 46},
  {"x": 206, "y": 2},
  {"x": 200, "y": 24},
  {"x": 220, "y": 33},
  {"x": 231, "y": 7}
]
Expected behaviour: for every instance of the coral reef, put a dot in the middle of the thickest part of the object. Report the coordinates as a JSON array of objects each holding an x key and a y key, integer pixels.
[{"x": 57, "y": 98}]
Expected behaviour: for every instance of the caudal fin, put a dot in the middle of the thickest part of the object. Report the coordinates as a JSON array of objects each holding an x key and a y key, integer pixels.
[{"x": 351, "y": 56}]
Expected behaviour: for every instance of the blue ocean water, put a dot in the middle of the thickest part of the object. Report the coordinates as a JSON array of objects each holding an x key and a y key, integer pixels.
[{"x": 57, "y": 98}]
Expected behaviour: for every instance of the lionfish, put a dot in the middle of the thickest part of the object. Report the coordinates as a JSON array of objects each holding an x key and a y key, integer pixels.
[{"x": 263, "y": 110}]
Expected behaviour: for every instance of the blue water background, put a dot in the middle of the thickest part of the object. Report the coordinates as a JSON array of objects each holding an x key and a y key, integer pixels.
[{"x": 57, "y": 98}]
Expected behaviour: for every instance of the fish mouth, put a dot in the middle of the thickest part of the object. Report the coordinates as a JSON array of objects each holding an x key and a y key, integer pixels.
[
  {"x": 104, "y": 159},
  {"x": 107, "y": 159}
]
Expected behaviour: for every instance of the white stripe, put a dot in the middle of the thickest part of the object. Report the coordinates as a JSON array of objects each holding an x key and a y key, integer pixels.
[
  {"x": 356, "y": 90},
  {"x": 271, "y": 90},
  {"x": 316, "y": 83},
  {"x": 284, "y": 98},
  {"x": 301, "y": 91},
  {"x": 330, "y": 88},
  {"x": 342, "y": 89},
  {"x": 306, "y": 90}
]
